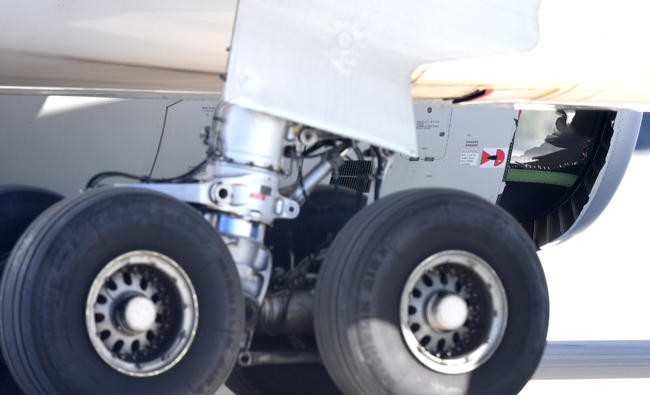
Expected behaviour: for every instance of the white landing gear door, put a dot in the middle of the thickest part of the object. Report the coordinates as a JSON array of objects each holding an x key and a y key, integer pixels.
[{"x": 346, "y": 67}]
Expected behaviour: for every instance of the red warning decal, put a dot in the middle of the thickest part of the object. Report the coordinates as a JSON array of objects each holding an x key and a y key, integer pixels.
[
  {"x": 257, "y": 196},
  {"x": 493, "y": 157}
]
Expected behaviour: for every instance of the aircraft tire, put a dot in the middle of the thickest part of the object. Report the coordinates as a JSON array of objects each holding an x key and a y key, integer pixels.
[
  {"x": 402, "y": 269},
  {"x": 148, "y": 261},
  {"x": 19, "y": 206}
]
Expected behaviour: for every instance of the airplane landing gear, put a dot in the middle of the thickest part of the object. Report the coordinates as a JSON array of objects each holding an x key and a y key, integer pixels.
[{"x": 423, "y": 291}]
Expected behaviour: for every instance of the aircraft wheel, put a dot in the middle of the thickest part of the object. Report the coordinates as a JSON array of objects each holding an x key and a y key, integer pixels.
[
  {"x": 19, "y": 206},
  {"x": 120, "y": 290},
  {"x": 431, "y": 291}
]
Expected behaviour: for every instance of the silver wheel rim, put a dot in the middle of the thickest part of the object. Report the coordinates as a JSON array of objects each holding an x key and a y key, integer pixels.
[
  {"x": 431, "y": 308},
  {"x": 142, "y": 313}
]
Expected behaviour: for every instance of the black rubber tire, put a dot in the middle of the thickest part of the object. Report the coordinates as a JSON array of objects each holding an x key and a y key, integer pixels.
[
  {"x": 48, "y": 276},
  {"x": 324, "y": 214},
  {"x": 19, "y": 206},
  {"x": 360, "y": 284}
]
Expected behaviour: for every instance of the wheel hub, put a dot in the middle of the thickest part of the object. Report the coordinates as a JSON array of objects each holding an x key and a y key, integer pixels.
[
  {"x": 446, "y": 312},
  {"x": 138, "y": 314},
  {"x": 453, "y": 312},
  {"x": 141, "y": 313}
]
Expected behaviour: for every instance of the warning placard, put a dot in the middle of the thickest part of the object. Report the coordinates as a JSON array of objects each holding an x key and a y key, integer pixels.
[
  {"x": 469, "y": 156},
  {"x": 493, "y": 158}
]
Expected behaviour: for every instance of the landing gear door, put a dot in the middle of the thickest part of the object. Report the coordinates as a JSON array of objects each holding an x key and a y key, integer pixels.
[{"x": 347, "y": 70}]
